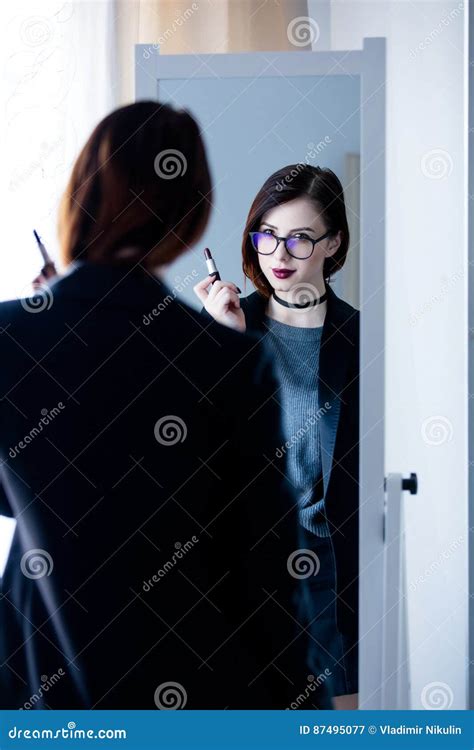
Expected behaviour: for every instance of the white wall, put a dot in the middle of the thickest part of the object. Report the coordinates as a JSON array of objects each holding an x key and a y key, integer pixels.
[
  {"x": 427, "y": 318},
  {"x": 58, "y": 82}
]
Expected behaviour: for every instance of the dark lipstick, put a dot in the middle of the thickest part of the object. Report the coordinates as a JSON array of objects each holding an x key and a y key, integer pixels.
[{"x": 211, "y": 265}]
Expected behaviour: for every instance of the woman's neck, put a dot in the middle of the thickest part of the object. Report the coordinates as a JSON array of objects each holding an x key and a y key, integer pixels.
[
  {"x": 310, "y": 317},
  {"x": 131, "y": 253}
]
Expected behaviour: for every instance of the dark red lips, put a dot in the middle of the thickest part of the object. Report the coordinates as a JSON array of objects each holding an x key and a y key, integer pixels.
[{"x": 281, "y": 273}]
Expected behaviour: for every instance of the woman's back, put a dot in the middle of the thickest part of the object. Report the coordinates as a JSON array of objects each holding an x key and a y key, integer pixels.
[{"x": 148, "y": 496}]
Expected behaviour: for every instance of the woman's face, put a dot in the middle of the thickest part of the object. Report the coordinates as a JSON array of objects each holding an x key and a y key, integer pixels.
[{"x": 299, "y": 218}]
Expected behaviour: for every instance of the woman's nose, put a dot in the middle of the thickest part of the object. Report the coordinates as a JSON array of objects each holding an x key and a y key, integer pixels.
[{"x": 280, "y": 252}]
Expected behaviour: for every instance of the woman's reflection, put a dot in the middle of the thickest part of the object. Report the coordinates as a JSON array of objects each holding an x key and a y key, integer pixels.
[{"x": 296, "y": 237}]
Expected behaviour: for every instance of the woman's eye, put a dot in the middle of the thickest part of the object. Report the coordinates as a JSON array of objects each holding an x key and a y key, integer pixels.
[
  {"x": 267, "y": 231},
  {"x": 301, "y": 236}
]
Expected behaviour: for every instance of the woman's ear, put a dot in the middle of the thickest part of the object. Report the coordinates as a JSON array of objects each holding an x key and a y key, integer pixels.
[{"x": 334, "y": 244}]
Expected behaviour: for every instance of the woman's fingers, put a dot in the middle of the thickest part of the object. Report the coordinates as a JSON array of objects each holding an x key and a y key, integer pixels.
[
  {"x": 225, "y": 295},
  {"x": 222, "y": 302},
  {"x": 218, "y": 286},
  {"x": 200, "y": 289}
]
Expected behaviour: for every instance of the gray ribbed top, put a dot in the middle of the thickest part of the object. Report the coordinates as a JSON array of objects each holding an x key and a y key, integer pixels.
[{"x": 296, "y": 354}]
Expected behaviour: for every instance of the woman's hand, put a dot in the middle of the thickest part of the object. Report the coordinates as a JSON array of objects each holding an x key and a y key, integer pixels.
[
  {"x": 222, "y": 302},
  {"x": 47, "y": 272}
]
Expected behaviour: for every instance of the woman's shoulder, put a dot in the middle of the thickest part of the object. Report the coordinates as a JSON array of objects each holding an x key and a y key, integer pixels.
[
  {"x": 254, "y": 301},
  {"x": 344, "y": 310}
]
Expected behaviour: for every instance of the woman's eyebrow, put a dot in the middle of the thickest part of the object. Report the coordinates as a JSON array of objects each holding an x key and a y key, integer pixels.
[{"x": 298, "y": 229}]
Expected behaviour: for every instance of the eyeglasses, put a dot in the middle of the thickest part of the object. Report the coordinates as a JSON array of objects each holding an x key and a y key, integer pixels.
[{"x": 301, "y": 247}]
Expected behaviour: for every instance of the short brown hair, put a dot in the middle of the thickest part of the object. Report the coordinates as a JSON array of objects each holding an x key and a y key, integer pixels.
[
  {"x": 319, "y": 184},
  {"x": 142, "y": 180}
]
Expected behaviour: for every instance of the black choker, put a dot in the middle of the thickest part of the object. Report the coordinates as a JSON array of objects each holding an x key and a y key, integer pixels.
[{"x": 298, "y": 306}]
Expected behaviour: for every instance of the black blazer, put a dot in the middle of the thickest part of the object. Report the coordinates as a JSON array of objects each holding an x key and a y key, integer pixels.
[
  {"x": 338, "y": 385},
  {"x": 154, "y": 530}
]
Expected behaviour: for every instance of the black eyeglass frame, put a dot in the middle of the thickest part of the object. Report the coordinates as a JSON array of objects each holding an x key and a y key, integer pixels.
[{"x": 285, "y": 239}]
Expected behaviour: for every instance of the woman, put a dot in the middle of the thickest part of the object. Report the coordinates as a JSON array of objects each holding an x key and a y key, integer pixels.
[
  {"x": 295, "y": 238},
  {"x": 136, "y": 581}
]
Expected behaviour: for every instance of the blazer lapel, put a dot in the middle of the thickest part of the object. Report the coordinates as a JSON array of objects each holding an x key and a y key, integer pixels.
[{"x": 333, "y": 362}]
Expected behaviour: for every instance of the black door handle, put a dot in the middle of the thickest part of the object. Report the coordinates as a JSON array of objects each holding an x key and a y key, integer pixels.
[{"x": 411, "y": 484}]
